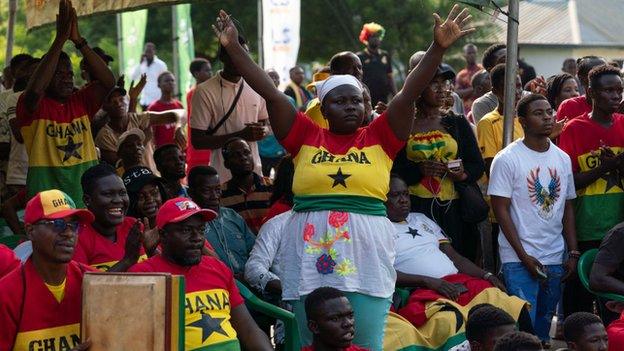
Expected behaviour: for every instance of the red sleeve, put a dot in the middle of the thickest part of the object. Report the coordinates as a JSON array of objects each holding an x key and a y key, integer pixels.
[
  {"x": 569, "y": 109},
  {"x": 302, "y": 127},
  {"x": 10, "y": 294},
  {"x": 385, "y": 136},
  {"x": 90, "y": 98},
  {"x": 8, "y": 261},
  {"x": 566, "y": 143},
  {"x": 615, "y": 331}
]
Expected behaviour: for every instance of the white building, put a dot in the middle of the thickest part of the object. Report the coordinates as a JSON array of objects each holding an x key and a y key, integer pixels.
[{"x": 552, "y": 30}]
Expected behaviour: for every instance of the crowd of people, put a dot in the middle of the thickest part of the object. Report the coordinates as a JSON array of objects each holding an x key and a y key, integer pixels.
[{"x": 358, "y": 206}]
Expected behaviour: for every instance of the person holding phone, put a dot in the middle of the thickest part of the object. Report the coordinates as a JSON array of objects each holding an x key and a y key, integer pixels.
[
  {"x": 441, "y": 151},
  {"x": 532, "y": 187}
]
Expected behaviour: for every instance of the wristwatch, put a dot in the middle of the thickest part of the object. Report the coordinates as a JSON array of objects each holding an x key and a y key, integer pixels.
[{"x": 487, "y": 275}]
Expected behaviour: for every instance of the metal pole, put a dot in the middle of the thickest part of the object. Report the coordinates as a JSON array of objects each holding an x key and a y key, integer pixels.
[
  {"x": 260, "y": 36},
  {"x": 174, "y": 43},
  {"x": 10, "y": 31},
  {"x": 511, "y": 71},
  {"x": 120, "y": 51}
]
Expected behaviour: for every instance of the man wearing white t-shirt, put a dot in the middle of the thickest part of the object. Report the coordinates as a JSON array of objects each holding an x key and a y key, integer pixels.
[
  {"x": 151, "y": 66},
  {"x": 531, "y": 187}
]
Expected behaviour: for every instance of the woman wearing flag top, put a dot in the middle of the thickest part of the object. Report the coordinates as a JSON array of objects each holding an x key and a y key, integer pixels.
[{"x": 339, "y": 235}]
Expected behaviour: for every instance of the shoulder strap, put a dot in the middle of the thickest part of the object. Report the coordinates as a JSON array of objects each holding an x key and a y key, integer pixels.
[{"x": 225, "y": 117}]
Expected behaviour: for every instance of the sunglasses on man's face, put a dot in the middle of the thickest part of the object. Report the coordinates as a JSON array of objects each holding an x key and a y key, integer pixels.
[{"x": 59, "y": 225}]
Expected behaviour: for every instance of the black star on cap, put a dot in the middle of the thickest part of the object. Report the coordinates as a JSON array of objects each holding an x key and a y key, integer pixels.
[
  {"x": 71, "y": 149},
  {"x": 613, "y": 178},
  {"x": 413, "y": 232},
  {"x": 209, "y": 325},
  {"x": 339, "y": 178}
]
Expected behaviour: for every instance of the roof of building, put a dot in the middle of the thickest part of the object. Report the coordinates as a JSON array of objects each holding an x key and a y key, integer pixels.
[{"x": 567, "y": 22}]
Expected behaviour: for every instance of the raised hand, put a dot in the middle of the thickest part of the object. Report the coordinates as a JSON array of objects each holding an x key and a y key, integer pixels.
[
  {"x": 135, "y": 90},
  {"x": 225, "y": 29},
  {"x": 74, "y": 34},
  {"x": 63, "y": 21},
  {"x": 134, "y": 241},
  {"x": 151, "y": 239},
  {"x": 456, "y": 26}
]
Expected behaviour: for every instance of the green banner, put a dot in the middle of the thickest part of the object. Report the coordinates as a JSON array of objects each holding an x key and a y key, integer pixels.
[
  {"x": 183, "y": 44},
  {"x": 131, "y": 36}
]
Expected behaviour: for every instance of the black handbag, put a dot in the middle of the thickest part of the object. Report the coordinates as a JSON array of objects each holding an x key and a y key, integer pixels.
[{"x": 472, "y": 206}]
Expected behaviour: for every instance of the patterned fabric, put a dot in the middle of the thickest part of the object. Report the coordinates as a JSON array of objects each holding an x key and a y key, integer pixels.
[
  {"x": 43, "y": 321},
  {"x": 349, "y": 251},
  {"x": 432, "y": 146},
  {"x": 442, "y": 321},
  {"x": 253, "y": 205},
  {"x": 59, "y": 142},
  {"x": 600, "y": 205},
  {"x": 333, "y": 172},
  {"x": 211, "y": 295},
  {"x": 98, "y": 252}
]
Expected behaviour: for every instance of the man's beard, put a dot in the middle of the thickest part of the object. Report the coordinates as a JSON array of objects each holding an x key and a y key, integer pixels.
[{"x": 186, "y": 261}]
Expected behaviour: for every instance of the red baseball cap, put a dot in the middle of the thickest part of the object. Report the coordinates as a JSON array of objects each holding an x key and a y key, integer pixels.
[
  {"x": 54, "y": 204},
  {"x": 179, "y": 209}
]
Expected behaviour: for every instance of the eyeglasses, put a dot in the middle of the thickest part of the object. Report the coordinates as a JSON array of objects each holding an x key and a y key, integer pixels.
[{"x": 59, "y": 225}]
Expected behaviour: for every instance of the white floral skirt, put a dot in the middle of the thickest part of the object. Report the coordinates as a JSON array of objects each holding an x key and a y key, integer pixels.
[{"x": 348, "y": 251}]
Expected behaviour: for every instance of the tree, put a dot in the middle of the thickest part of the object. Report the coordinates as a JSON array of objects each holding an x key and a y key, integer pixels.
[{"x": 327, "y": 27}]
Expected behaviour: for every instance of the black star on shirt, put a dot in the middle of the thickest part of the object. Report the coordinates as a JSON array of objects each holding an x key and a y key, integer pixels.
[
  {"x": 339, "y": 178},
  {"x": 413, "y": 232},
  {"x": 209, "y": 325},
  {"x": 71, "y": 149},
  {"x": 613, "y": 178}
]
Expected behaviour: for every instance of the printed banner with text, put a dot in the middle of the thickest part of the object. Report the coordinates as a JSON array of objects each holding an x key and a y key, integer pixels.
[{"x": 280, "y": 31}]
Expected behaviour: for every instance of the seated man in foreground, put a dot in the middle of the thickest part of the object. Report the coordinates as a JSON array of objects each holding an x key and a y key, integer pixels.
[
  {"x": 584, "y": 331},
  {"x": 40, "y": 301},
  {"x": 486, "y": 324},
  {"x": 426, "y": 261},
  {"x": 216, "y": 317},
  {"x": 330, "y": 319}
]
